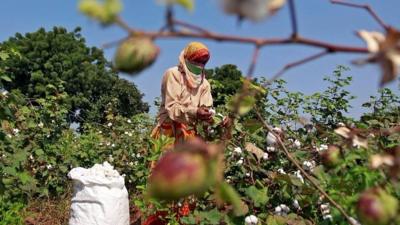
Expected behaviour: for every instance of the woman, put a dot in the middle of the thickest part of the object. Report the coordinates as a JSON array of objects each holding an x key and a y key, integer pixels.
[{"x": 185, "y": 95}]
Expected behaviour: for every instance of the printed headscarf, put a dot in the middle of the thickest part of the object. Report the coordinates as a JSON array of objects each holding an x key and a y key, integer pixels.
[{"x": 195, "y": 54}]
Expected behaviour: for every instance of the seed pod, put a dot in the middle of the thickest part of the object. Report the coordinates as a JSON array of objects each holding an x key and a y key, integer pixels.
[
  {"x": 331, "y": 156},
  {"x": 376, "y": 207},
  {"x": 135, "y": 54},
  {"x": 178, "y": 174}
]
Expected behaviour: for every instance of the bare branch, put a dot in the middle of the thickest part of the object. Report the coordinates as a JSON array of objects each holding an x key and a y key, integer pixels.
[
  {"x": 113, "y": 43},
  {"x": 253, "y": 61},
  {"x": 363, "y": 6},
  {"x": 297, "y": 63},
  {"x": 191, "y": 26},
  {"x": 120, "y": 22},
  {"x": 293, "y": 18},
  {"x": 299, "y": 167}
]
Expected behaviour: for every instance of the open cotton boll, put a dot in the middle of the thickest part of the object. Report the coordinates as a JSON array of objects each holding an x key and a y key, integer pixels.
[
  {"x": 237, "y": 150},
  {"x": 271, "y": 139},
  {"x": 297, "y": 143},
  {"x": 212, "y": 111},
  {"x": 251, "y": 220}
]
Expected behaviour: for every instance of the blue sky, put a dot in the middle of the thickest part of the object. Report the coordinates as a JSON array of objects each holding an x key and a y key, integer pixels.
[{"x": 317, "y": 19}]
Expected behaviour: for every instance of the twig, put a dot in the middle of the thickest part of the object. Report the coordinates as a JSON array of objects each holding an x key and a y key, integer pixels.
[
  {"x": 296, "y": 63},
  {"x": 113, "y": 43},
  {"x": 169, "y": 18},
  {"x": 363, "y": 6},
  {"x": 191, "y": 26},
  {"x": 293, "y": 18},
  {"x": 305, "y": 174},
  {"x": 253, "y": 61},
  {"x": 124, "y": 25},
  {"x": 240, "y": 39}
]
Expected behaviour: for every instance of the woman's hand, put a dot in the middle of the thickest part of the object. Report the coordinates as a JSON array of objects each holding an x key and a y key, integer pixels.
[{"x": 204, "y": 114}]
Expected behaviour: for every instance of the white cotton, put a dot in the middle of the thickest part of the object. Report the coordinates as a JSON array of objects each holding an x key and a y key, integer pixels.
[
  {"x": 327, "y": 217},
  {"x": 296, "y": 204},
  {"x": 322, "y": 147},
  {"x": 271, "y": 149},
  {"x": 281, "y": 171},
  {"x": 271, "y": 139},
  {"x": 212, "y": 111},
  {"x": 240, "y": 162},
  {"x": 298, "y": 175},
  {"x": 237, "y": 150},
  {"x": 251, "y": 220},
  {"x": 324, "y": 206},
  {"x": 265, "y": 156},
  {"x": 297, "y": 143},
  {"x": 284, "y": 208},
  {"x": 109, "y": 124}
]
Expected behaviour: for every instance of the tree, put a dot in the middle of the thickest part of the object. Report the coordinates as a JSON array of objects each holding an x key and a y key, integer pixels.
[{"x": 58, "y": 58}]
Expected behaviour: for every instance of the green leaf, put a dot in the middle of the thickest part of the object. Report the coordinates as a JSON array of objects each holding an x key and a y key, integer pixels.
[
  {"x": 6, "y": 78},
  {"x": 4, "y": 55},
  {"x": 258, "y": 196}
]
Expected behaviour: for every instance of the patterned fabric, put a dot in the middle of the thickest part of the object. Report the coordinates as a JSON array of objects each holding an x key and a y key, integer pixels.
[
  {"x": 197, "y": 53},
  {"x": 179, "y": 131}
]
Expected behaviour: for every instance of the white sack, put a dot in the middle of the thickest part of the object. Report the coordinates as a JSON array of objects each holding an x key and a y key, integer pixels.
[{"x": 100, "y": 196}]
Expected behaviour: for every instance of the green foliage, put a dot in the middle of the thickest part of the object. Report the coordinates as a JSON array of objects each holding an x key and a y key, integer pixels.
[
  {"x": 38, "y": 149},
  {"x": 9, "y": 212},
  {"x": 48, "y": 59}
]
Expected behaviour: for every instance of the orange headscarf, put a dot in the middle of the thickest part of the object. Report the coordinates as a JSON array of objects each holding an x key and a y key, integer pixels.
[{"x": 196, "y": 53}]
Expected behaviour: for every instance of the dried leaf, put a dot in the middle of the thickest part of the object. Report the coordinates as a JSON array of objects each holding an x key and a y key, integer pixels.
[
  {"x": 343, "y": 131},
  {"x": 259, "y": 153},
  {"x": 378, "y": 160},
  {"x": 385, "y": 50}
]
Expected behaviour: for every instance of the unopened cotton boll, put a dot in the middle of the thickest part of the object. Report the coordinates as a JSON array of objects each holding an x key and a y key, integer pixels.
[{"x": 251, "y": 220}]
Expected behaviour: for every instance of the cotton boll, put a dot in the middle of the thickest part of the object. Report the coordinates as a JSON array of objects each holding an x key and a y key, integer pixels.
[
  {"x": 251, "y": 220},
  {"x": 265, "y": 156},
  {"x": 237, "y": 150},
  {"x": 271, "y": 139},
  {"x": 297, "y": 143},
  {"x": 296, "y": 205}
]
